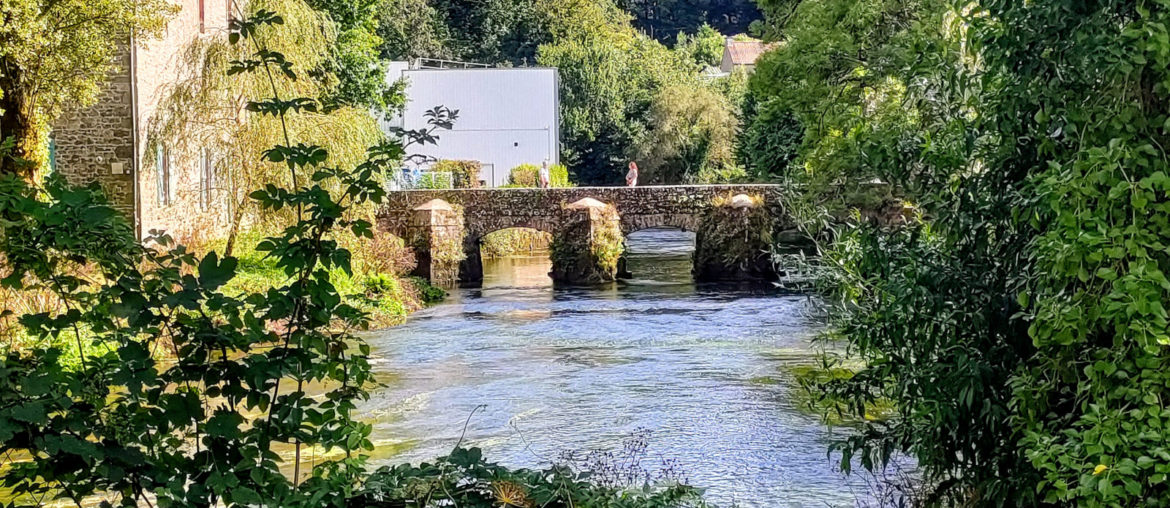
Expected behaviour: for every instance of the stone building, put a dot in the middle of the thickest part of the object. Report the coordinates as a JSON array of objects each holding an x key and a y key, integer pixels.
[
  {"x": 160, "y": 183},
  {"x": 742, "y": 54}
]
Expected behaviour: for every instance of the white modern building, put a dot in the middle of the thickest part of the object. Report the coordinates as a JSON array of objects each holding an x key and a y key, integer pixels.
[{"x": 507, "y": 116}]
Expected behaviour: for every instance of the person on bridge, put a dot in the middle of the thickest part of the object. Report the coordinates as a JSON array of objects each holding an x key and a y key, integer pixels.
[
  {"x": 544, "y": 175},
  {"x": 632, "y": 175}
]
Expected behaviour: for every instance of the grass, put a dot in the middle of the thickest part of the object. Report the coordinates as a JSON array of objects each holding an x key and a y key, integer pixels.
[{"x": 387, "y": 296}]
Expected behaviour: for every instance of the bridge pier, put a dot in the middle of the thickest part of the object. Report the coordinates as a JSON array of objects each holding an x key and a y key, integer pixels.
[
  {"x": 734, "y": 241},
  {"x": 435, "y": 232},
  {"x": 587, "y": 249}
]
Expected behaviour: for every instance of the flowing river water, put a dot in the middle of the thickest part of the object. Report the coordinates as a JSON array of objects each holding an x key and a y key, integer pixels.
[{"x": 703, "y": 369}]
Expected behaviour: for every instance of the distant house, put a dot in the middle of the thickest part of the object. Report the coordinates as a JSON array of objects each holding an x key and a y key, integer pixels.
[
  {"x": 507, "y": 116},
  {"x": 742, "y": 53},
  {"x": 158, "y": 183}
]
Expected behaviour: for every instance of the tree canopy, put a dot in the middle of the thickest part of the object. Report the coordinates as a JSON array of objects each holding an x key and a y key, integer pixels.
[
  {"x": 56, "y": 54},
  {"x": 1017, "y": 320}
]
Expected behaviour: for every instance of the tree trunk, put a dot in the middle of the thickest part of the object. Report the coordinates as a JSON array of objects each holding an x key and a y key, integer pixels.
[
  {"x": 234, "y": 231},
  {"x": 14, "y": 124}
]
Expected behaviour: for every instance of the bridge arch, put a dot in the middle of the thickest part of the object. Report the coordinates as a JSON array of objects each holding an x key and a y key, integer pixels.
[
  {"x": 632, "y": 222},
  {"x": 475, "y": 233}
]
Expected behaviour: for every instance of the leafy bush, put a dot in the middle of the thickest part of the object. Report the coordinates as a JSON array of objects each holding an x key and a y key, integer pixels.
[
  {"x": 464, "y": 479},
  {"x": 691, "y": 135},
  {"x": 203, "y": 426},
  {"x": 1020, "y": 324},
  {"x": 436, "y": 180},
  {"x": 428, "y": 292},
  {"x": 464, "y": 174},
  {"x": 528, "y": 176}
]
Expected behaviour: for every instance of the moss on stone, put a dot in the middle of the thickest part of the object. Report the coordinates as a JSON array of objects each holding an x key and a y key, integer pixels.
[
  {"x": 587, "y": 252},
  {"x": 734, "y": 239}
]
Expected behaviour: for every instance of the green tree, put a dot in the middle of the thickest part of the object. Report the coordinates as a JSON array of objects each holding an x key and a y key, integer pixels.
[
  {"x": 705, "y": 47},
  {"x": 690, "y": 136},
  {"x": 206, "y": 426},
  {"x": 56, "y": 54},
  {"x": 664, "y": 19},
  {"x": 1019, "y": 322},
  {"x": 610, "y": 75},
  {"x": 412, "y": 29},
  {"x": 883, "y": 90},
  {"x": 354, "y": 60},
  {"x": 769, "y": 140},
  {"x": 199, "y": 110}
]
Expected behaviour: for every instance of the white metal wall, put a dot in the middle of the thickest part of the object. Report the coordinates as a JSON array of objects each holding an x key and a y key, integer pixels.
[{"x": 507, "y": 117}]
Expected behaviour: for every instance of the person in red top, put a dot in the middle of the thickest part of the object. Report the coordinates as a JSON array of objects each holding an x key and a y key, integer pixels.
[{"x": 632, "y": 175}]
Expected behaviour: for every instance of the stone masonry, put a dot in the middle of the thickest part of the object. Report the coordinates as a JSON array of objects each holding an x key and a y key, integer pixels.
[
  {"x": 96, "y": 144},
  {"x": 113, "y": 141},
  {"x": 489, "y": 210}
]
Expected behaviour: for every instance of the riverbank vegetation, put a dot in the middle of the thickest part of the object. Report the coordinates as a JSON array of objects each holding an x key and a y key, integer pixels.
[
  {"x": 129, "y": 425},
  {"x": 1018, "y": 322}
]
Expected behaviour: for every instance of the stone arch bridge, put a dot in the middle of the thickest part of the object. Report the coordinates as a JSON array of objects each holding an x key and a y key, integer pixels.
[{"x": 437, "y": 222}]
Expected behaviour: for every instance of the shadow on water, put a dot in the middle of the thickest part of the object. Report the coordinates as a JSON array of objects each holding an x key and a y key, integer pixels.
[{"x": 701, "y": 366}]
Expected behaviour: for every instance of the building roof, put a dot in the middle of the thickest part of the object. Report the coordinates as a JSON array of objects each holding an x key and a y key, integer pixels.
[{"x": 745, "y": 52}]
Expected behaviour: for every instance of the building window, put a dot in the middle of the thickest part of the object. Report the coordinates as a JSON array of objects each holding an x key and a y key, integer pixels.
[
  {"x": 162, "y": 165},
  {"x": 202, "y": 18},
  {"x": 52, "y": 154},
  {"x": 206, "y": 178}
]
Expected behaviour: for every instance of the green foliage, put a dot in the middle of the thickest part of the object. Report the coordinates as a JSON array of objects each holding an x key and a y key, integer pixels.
[
  {"x": 206, "y": 426},
  {"x": 491, "y": 31},
  {"x": 528, "y": 175},
  {"x": 690, "y": 138},
  {"x": 1019, "y": 324},
  {"x": 705, "y": 47},
  {"x": 769, "y": 140},
  {"x": 56, "y": 54},
  {"x": 412, "y": 29},
  {"x": 354, "y": 56},
  {"x": 429, "y": 294},
  {"x": 464, "y": 174},
  {"x": 663, "y": 19},
  {"x": 608, "y": 82},
  {"x": 199, "y": 109},
  {"x": 464, "y": 478},
  {"x": 514, "y": 241}
]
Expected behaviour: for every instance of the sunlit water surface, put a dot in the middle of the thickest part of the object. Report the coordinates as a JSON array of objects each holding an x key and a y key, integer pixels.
[{"x": 703, "y": 368}]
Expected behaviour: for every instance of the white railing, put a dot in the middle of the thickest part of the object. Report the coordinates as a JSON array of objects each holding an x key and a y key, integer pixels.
[{"x": 410, "y": 180}]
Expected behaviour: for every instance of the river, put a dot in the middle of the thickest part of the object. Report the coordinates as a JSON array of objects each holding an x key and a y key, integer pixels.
[{"x": 701, "y": 368}]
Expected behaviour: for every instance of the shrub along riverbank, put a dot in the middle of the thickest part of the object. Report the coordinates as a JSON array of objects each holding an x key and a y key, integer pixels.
[
  {"x": 377, "y": 283},
  {"x": 131, "y": 425}
]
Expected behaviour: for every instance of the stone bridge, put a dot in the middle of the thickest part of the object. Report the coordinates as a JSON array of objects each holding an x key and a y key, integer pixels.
[{"x": 430, "y": 218}]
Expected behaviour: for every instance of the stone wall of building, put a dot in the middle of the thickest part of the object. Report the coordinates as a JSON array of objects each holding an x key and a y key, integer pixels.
[
  {"x": 105, "y": 143},
  {"x": 184, "y": 216},
  {"x": 96, "y": 144}
]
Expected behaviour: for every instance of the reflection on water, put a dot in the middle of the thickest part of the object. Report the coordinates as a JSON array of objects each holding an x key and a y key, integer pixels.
[{"x": 578, "y": 369}]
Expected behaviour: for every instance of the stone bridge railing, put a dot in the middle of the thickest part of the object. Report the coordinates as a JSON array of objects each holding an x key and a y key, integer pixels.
[{"x": 488, "y": 210}]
